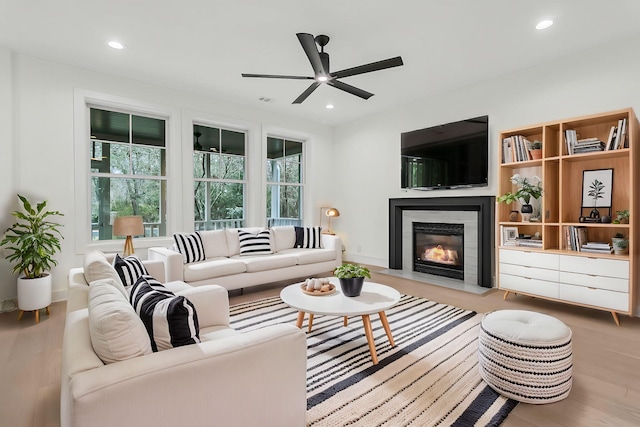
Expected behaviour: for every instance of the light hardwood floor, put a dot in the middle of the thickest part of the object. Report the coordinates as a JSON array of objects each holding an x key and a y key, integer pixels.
[{"x": 606, "y": 373}]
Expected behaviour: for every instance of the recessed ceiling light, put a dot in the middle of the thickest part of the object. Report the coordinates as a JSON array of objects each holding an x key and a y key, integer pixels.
[
  {"x": 544, "y": 24},
  {"x": 329, "y": 106},
  {"x": 322, "y": 78},
  {"x": 116, "y": 45}
]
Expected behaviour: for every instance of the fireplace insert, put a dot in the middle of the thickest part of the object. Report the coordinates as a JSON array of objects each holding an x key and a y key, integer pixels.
[{"x": 439, "y": 249}]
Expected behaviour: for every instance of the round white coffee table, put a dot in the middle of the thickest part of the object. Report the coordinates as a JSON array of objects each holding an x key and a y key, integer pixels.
[{"x": 374, "y": 298}]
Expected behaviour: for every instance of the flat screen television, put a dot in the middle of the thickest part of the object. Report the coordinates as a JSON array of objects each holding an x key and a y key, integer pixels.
[{"x": 452, "y": 155}]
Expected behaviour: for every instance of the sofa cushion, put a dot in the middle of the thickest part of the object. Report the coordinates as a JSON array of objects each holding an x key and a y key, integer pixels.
[
  {"x": 96, "y": 267},
  {"x": 255, "y": 243},
  {"x": 271, "y": 262},
  {"x": 116, "y": 331},
  {"x": 233, "y": 240},
  {"x": 129, "y": 269},
  {"x": 210, "y": 268},
  {"x": 170, "y": 320},
  {"x": 308, "y": 237},
  {"x": 215, "y": 243},
  {"x": 283, "y": 237},
  {"x": 190, "y": 246},
  {"x": 311, "y": 256}
]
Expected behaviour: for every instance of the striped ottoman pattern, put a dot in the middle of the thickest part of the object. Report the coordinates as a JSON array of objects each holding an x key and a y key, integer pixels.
[{"x": 525, "y": 355}]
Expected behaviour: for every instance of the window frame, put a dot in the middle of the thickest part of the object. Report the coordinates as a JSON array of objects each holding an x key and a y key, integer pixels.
[{"x": 85, "y": 100}]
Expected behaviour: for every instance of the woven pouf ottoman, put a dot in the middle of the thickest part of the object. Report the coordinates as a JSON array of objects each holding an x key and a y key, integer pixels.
[{"x": 525, "y": 355}]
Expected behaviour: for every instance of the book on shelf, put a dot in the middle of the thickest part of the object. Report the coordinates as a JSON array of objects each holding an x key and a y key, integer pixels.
[
  {"x": 597, "y": 251},
  {"x": 515, "y": 148},
  {"x": 575, "y": 237},
  {"x": 612, "y": 135},
  {"x": 597, "y": 245},
  {"x": 507, "y": 153},
  {"x": 620, "y": 138},
  {"x": 530, "y": 243},
  {"x": 570, "y": 138}
]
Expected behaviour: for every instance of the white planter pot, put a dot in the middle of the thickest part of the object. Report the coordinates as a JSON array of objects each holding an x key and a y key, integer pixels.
[{"x": 34, "y": 294}]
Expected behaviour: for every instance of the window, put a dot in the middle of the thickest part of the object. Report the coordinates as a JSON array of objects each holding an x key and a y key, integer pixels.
[
  {"x": 219, "y": 172},
  {"x": 284, "y": 182},
  {"x": 128, "y": 171}
]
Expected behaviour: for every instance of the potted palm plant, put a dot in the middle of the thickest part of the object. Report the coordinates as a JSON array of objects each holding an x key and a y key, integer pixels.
[
  {"x": 620, "y": 244},
  {"x": 32, "y": 243},
  {"x": 351, "y": 277}
]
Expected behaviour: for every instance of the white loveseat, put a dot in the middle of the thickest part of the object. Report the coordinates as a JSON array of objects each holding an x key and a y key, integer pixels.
[
  {"x": 229, "y": 379},
  {"x": 225, "y": 266}
]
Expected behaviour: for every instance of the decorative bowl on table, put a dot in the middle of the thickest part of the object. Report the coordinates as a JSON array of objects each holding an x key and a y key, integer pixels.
[{"x": 317, "y": 287}]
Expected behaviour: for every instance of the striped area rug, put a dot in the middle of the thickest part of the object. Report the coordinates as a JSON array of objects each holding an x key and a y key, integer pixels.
[{"x": 429, "y": 378}]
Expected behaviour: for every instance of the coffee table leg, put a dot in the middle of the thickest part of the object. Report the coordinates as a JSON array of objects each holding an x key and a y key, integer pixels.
[
  {"x": 310, "y": 322},
  {"x": 366, "y": 321},
  {"x": 385, "y": 324},
  {"x": 300, "y": 319},
  {"x": 346, "y": 321}
]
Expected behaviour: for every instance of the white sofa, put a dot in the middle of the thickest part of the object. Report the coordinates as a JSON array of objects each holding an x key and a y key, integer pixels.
[
  {"x": 225, "y": 266},
  {"x": 229, "y": 379}
]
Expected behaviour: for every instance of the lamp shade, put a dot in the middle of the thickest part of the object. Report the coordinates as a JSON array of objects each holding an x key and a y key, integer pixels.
[
  {"x": 332, "y": 212},
  {"x": 128, "y": 226}
]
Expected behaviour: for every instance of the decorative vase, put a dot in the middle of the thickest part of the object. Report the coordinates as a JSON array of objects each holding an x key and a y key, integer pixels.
[
  {"x": 620, "y": 245},
  {"x": 513, "y": 216},
  {"x": 526, "y": 211},
  {"x": 352, "y": 287}
]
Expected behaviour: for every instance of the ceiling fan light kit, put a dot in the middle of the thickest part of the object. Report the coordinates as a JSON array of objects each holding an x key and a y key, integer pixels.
[{"x": 321, "y": 72}]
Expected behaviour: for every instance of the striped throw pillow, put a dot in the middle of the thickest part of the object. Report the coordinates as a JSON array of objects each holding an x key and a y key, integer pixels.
[
  {"x": 129, "y": 269},
  {"x": 308, "y": 237},
  {"x": 190, "y": 246},
  {"x": 170, "y": 320},
  {"x": 255, "y": 244}
]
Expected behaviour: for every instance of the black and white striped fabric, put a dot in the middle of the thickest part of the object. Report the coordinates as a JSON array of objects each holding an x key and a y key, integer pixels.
[
  {"x": 429, "y": 377},
  {"x": 190, "y": 246},
  {"x": 308, "y": 237},
  {"x": 255, "y": 243},
  {"x": 170, "y": 320},
  {"x": 129, "y": 269}
]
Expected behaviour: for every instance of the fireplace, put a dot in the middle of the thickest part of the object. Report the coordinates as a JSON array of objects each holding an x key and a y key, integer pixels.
[
  {"x": 438, "y": 248},
  {"x": 476, "y": 215}
]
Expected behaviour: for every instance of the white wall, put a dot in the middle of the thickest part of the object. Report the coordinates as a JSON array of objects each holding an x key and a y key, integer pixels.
[
  {"x": 43, "y": 142},
  {"x": 367, "y": 152}
]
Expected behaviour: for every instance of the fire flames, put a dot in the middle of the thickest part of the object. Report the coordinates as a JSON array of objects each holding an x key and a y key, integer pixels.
[{"x": 439, "y": 254}]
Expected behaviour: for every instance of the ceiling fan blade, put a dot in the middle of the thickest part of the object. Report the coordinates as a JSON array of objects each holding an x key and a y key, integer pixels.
[
  {"x": 277, "y": 76},
  {"x": 309, "y": 45},
  {"x": 367, "y": 68},
  {"x": 351, "y": 89},
  {"x": 306, "y": 93}
]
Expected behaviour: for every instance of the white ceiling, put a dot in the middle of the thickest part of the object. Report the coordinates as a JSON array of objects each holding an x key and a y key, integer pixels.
[{"x": 202, "y": 46}]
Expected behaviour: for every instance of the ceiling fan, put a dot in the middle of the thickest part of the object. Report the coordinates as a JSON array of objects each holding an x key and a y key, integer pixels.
[{"x": 320, "y": 64}]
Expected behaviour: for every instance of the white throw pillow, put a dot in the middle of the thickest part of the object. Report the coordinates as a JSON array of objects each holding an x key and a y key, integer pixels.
[
  {"x": 117, "y": 333},
  {"x": 97, "y": 267}
]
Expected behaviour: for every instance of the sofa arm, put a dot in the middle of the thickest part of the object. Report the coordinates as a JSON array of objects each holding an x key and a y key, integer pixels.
[
  {"x": 263, "y": 369},
  {"x": 330, "y": 241},
  {"x": 156, "y": 269},
  {"x": 173, "y": 262},
  {"x": 211, "y": 302}
]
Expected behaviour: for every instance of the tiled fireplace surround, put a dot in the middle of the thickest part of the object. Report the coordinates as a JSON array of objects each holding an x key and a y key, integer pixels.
[{"x": 475, "y": 213}]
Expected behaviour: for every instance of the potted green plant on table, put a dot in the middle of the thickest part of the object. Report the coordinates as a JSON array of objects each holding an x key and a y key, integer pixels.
[
  {"x": 620, "y": 244},
  {"x": 622, "y": 217},
  {"x": 535, "y": 148},
  {"x": 527, "y": 188},
  {"x": 351, "y": 277},
  {"x": 33, "y": 241}
]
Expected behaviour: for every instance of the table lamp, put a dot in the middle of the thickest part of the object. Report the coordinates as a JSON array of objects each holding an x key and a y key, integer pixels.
[
  {"x": 330, "y": 212},
  {"x": 128, "y": 226}
]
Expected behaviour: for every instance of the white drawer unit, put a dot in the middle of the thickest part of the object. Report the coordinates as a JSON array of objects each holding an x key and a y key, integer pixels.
[
  {"x": 530, "y": 259},
  {"x": 595, "y": 281},
  {"x": 597, "y": 266},
  {"x": 528, "y": 285},
  {"x": 595, "y": 297},
  {"x": 529, "y": 272}
]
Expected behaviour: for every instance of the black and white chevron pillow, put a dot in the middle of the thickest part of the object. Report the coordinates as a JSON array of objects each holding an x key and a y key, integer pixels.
[
  {"x": 170, "y": 320},
  {"x": 129, "y": 269},
  {"x": 190, "y": 246},
  {"x": 308, "y": 237},
  {"x": 255, "y": 244}
]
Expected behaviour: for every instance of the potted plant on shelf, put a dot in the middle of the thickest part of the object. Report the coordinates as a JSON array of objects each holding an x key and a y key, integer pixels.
[
  {"x": 620, "y": 244},
  {"x": 33, "y": 241},
  {"x": 535, "y": 148},
  {"x": 351, "y": 278},
  {"x": 527, "y": 188},
  {"x": 622, "y": 217}
]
